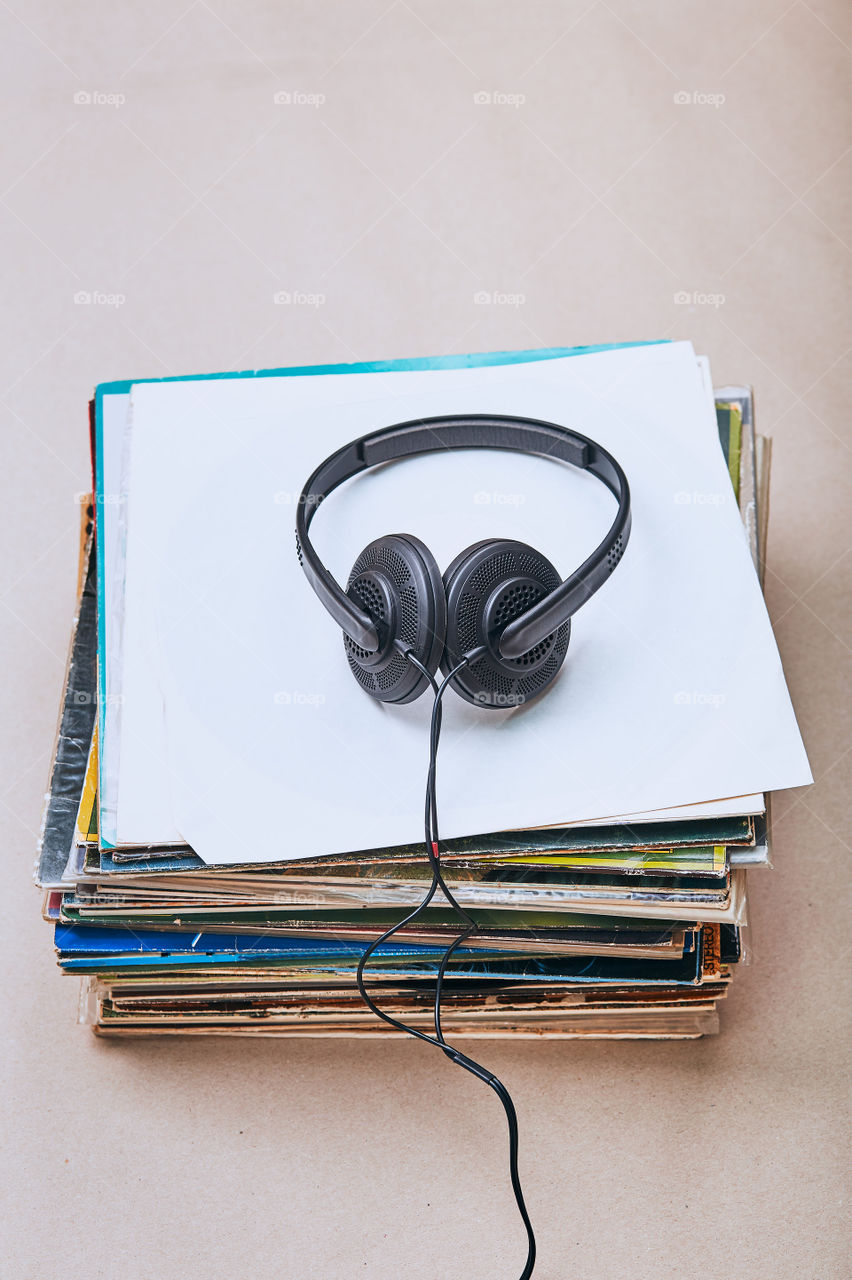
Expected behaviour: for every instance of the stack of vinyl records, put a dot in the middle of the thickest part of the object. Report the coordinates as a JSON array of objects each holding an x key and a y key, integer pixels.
[{"x": 240, "y": 915}]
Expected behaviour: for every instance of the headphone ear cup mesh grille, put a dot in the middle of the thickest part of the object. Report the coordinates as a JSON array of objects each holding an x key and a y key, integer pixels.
[
  {"x": 394, "y": 563},
  {"x": 467, "y": 613},
  {"x": 397, "y": 582},
  {"x": 531, "y": 685},
  {"x": 389, "y": 677},
  {"x": 490, "y": 572},
  {"x": 488, "y": 586},
  {"x": 408, "y": 620},
  {"x": 492, "y": 681},
  {"x": 365, "y": 678}
]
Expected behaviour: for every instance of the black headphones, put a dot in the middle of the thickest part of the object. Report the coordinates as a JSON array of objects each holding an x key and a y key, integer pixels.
[
  {"x": 497, "y": 623},
  {"x": 500, "y": 604}
]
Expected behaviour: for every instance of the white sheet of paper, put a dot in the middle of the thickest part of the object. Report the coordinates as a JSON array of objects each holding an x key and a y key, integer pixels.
[
  {"x": 146, "y": 772},
  {"x": 672, "y": 692}
]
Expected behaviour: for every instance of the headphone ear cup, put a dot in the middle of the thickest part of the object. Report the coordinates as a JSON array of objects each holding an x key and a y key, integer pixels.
[
  {"x": 397, "y": 581},
  {"x": 487, "y": 587}
]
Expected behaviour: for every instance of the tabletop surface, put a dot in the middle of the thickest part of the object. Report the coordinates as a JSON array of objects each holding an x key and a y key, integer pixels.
[{"x": 217, "y": 185}]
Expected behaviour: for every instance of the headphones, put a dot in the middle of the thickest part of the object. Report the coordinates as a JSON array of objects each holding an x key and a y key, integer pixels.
[
  {"x": 501, "y": 605},
  {"x": 497, "y": 623}
]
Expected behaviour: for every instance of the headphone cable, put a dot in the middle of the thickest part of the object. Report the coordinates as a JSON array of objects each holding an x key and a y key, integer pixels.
[{"x": 438, "y": 882}]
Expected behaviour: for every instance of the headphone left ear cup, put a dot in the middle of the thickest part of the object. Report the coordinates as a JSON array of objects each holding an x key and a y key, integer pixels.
[
  {"x": 397, "y": 581},
  {"x": 487, "y": 587}
]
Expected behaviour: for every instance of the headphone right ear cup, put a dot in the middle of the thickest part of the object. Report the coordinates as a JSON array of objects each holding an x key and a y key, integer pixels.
[
  {"x": 396, "y": 580},
  {"x": 487, "y": 587}
]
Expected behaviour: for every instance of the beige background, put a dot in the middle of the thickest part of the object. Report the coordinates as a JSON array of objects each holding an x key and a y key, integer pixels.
[{"x": 585, "y": 187}]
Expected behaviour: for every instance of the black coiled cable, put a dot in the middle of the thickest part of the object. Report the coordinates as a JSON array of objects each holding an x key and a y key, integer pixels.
[{"x": 455, "y": 1055}]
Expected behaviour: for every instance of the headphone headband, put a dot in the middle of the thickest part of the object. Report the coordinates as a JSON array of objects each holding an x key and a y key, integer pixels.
[{"x": 470, "y": 431}]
